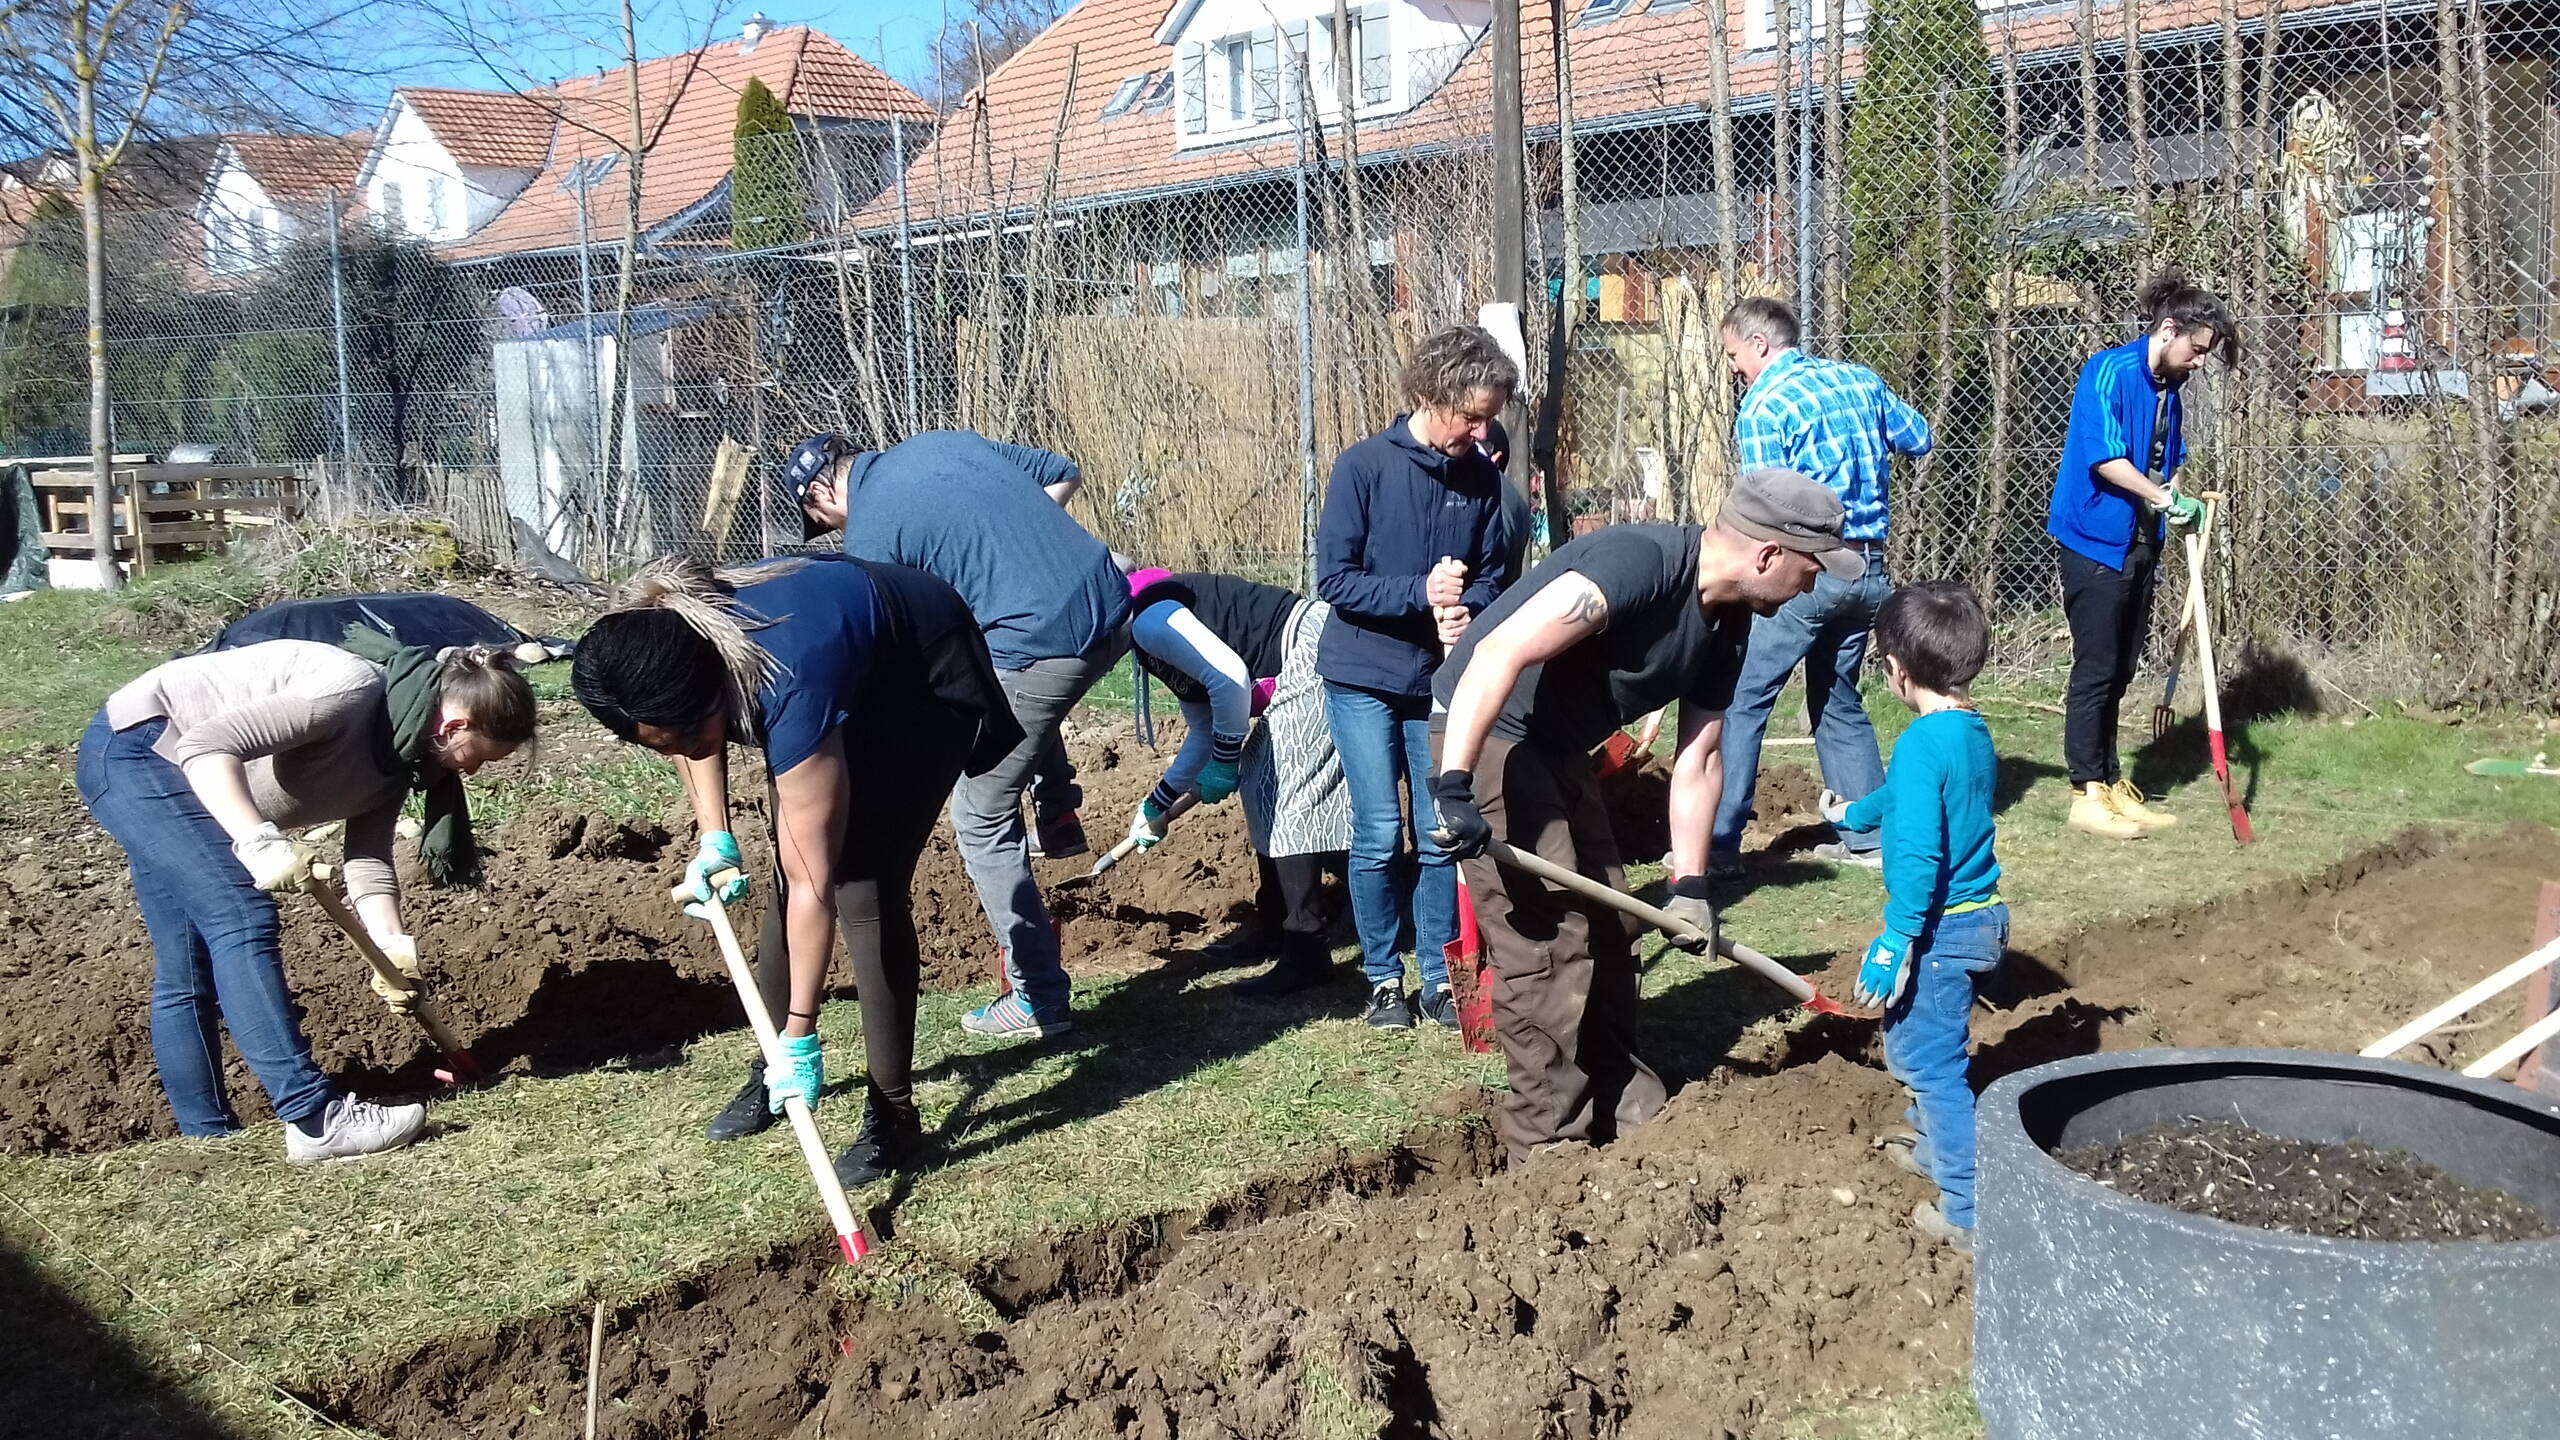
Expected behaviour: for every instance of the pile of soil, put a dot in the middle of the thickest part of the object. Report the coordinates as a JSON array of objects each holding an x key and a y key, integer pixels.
[
  {"x": 1787, "y": 800},
  {"x": 2230, "y": 1171},
  {"x": 569, "y": 957}
]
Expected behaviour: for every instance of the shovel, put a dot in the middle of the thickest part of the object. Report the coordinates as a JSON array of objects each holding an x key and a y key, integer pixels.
[
  {"x": 460, "y": 1068},
  {"x": 1121, "y": 851},
  {"x": 1624, "y": 752},
  {"x": 2163, "y": 717},
  {"x": 1470, "y": 978},
  {"x": 812, "y": 1149},
  {"x": 2212, "y": 688},
  {"x": 1743, "y": 955}
]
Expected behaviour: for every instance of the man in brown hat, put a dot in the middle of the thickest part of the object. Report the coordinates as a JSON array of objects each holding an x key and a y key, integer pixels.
[{"x": 1608, "y": 629}]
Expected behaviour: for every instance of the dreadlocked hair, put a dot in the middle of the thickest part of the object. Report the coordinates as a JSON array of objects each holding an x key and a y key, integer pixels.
[{"x": 675, "y": 648}]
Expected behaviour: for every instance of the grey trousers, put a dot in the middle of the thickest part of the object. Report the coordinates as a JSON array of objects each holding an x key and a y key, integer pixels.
[{"x": 986, "y": 816}]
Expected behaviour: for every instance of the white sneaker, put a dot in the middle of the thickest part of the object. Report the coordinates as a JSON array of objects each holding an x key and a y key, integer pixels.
[{"x": 351, "y": 1127}]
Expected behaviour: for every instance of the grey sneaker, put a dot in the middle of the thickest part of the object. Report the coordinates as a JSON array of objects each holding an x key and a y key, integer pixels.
[
  {"x": 1837, "y": 852},
  {"x": 1929, "y": 1220},
  {"x": 1908, "y": 1153},
  {"x": 351, "y": 1127},
  {"x": 1010, "y": 1017},
  {"x": 1387, "y": 1008}
]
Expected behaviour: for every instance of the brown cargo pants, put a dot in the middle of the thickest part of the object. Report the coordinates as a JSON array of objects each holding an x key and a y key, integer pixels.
[{"x": 1564, "y": 988}]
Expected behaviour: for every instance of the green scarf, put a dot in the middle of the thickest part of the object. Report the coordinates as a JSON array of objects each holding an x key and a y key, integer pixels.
[{"x": 410, "y": 691}]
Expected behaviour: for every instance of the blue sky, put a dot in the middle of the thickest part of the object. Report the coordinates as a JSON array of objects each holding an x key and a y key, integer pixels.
[{"x": 548, "y": 39}]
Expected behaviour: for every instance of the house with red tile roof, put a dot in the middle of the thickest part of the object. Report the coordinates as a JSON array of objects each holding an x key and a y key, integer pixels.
[
  {"x": 843, "y": 108},
  {"x": 264, "y": 192},
  {"x": 1159, "y": 108},
  {"x": 443, "y": 161}
]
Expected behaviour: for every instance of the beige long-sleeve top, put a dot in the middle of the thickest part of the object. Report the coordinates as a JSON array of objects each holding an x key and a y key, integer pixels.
[{"x": 302, "y": 718}]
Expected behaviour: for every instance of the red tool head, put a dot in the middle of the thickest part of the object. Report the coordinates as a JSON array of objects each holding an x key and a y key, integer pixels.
[{"x": 1821, "y": 1004}]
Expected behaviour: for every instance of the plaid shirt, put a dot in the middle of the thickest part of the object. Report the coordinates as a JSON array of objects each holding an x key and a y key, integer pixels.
[{"x": 1834, "y": 421}]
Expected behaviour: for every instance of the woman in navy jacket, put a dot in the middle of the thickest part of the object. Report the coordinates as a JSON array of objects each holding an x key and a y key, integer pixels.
[{"x": 1412, "y": 544}]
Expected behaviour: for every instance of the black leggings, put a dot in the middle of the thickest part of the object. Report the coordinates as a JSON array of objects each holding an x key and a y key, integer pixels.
[
  {"x": 2110, "y": 615},
  {"x": 1289, "y": 900},
  {"x": 901, "y": 773}
]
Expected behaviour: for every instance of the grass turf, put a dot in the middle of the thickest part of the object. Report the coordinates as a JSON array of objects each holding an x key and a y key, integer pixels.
[{"x": 227, "y": 1273}]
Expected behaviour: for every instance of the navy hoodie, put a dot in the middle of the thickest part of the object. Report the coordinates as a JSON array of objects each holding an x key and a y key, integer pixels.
[{"x": 1393, "y": 508}]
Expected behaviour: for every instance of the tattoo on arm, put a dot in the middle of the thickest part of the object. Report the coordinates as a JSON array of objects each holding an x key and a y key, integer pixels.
[{"x": 1589, "y": 608}]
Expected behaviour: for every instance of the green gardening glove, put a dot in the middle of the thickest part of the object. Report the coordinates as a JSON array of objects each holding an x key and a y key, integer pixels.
[
  {"x": 804, "y": 1072},
  {"x": 2184, "y": 511}
]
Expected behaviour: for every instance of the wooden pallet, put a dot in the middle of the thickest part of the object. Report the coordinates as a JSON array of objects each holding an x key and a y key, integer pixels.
[{"x": 165, "y": 512}]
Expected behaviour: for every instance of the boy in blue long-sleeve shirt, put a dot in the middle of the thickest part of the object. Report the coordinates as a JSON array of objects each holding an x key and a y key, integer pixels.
[{"x": 1945, "y": 924}]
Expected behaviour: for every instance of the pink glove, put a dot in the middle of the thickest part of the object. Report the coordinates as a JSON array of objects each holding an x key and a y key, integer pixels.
[{"x": 1262, "y": 693}]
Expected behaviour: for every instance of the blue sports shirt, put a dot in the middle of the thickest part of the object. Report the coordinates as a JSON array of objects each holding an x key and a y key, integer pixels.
[
  {"x": 2112, "y": 410},
  {"x": 1836, "y": 422},
  {"x": 823, "y": 624}
]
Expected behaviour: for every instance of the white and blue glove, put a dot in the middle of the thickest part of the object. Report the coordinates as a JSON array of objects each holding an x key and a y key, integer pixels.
[
  {"x": 804, "y": 1072},
  {"x": 1887, "y": 971},
  {"x": 1834, "y": 806},
  {"x": 1147, "y": 827},
  {"x": 718, "y": 852}
]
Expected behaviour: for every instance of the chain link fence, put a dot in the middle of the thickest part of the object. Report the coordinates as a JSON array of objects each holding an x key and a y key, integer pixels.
[{"x": 1965, "y": 199}]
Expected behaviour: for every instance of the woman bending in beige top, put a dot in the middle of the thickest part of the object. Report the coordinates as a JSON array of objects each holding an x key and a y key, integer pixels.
[{"x": 194, "y": 766}]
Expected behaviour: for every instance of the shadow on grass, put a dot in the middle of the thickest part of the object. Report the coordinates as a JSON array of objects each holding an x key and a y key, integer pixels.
[
  {"x": 70, "y": 1377},
  {"x": 2017, "y": 775}
]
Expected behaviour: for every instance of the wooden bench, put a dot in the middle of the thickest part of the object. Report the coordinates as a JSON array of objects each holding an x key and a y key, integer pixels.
[{"x": 164, "y": 512}]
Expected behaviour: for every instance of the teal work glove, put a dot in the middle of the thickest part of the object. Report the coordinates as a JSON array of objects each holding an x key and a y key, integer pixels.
[
  {"x": 718, "y": 852},
  {"x": 804, "y": 1072},
  {"x": 2184, "y": 511},
  {"x": 1217, "y": 781},
  {"x": 1887, "y": 971}
]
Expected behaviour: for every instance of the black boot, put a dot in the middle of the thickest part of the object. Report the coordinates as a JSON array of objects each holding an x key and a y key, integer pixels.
[
  {"x": 1304, "y": 964},
  {"x": 749, "y": 1114},
  {"x": 891, "y": 1141}
]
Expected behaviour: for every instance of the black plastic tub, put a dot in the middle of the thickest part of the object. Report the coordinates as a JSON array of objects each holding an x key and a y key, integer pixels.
[{"x": 2099, "y": 1315}]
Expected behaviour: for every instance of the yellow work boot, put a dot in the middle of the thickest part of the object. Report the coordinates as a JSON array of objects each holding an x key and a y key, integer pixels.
[
  {"x": 2093, "y": 809},
  {"x": 2130, "y": 804}
]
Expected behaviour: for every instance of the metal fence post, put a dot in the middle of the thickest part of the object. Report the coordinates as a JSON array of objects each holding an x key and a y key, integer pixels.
[
  {"x": 906, "y": 271},
  {"x": 338, "y": 329},
  {"x": 1306, "y": 367}
]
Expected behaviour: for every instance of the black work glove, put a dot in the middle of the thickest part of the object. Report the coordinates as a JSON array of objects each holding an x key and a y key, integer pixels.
[
  {"x": 1689, "y": 906},
  {"x": 1462, "y": 832}
]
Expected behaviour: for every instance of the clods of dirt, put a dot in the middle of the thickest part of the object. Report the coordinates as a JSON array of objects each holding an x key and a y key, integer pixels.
[
  {"x": 2230, "y": 1171},
  {"x": 1786, "y": 799}
]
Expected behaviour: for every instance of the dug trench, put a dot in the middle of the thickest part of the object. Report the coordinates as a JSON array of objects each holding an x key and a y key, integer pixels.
[
  {"x": 1703, "y": 1276},
  {"x": 568, "y": 957}
]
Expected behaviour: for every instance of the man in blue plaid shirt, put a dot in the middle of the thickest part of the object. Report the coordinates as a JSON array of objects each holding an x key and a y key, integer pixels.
[{"x": 1838, "y": 423}]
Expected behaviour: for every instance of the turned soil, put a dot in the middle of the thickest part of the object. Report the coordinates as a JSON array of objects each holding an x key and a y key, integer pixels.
[
  {"x": 1747, "y": 1251},
  {"x": 2354, "y": 1191},
  {"x": 569, "y": 957}
]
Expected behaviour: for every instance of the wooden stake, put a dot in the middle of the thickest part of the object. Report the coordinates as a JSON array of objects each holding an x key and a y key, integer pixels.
[{"x": 595, "y": 1362}]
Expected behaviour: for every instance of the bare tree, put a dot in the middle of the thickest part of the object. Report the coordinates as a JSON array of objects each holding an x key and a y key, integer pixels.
[{"x": 986, "y": 38}]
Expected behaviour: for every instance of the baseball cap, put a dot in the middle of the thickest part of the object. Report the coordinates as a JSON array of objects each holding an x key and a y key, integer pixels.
[
  {"x": 809, "y": 460},
  {"x": 1795, "y": 511}
]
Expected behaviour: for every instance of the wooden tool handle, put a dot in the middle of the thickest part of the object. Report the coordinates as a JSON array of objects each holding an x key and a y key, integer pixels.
[
  {"x": 804, "y": 1127},
  {"x": 424, "y": 1010},
  {"x": 1663, "y": 920},
  {"x": 1190, "y": 800}
]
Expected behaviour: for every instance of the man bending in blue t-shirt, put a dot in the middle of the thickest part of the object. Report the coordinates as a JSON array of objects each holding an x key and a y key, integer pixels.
[{"x": 989, "y": 519}]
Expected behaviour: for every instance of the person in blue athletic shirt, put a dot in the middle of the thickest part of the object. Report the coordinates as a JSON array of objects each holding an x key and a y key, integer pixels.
[
  {"x": 1945, "y": 925},
  {"x": 870, "y": 692},
  {"x": 2117, "y": 482}
]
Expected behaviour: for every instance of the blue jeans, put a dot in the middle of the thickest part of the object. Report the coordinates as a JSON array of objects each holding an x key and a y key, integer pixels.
[
  {"x": 1384, "y": 738},
  {"x": 1924, "y": 1045},
  {"x": 216, "y": 941},
  {"x": 1825, "y": 630}
]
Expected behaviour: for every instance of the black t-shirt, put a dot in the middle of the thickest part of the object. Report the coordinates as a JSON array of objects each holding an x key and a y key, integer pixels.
[
  {"x": 1659, "y": 645},
  {"x": 1249, "y": 617}
]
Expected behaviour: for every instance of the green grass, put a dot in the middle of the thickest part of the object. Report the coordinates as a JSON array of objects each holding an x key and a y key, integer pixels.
[{"x": 543, "y": 1192}]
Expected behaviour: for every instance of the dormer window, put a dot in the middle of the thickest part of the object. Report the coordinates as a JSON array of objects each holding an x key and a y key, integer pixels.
[{"x": 1250, "y": 84}]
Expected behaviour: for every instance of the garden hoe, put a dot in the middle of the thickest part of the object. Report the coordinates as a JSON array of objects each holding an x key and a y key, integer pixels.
[
  {"x": 796, "y": 1110},
  {"x": 460, "y": 1068},
  {"x": 1743, "y": 955},
  {"x": 1122, "y": 851},
  {"x": 2212, "y": 686},
  {"x": 2164, "y": 717}
]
